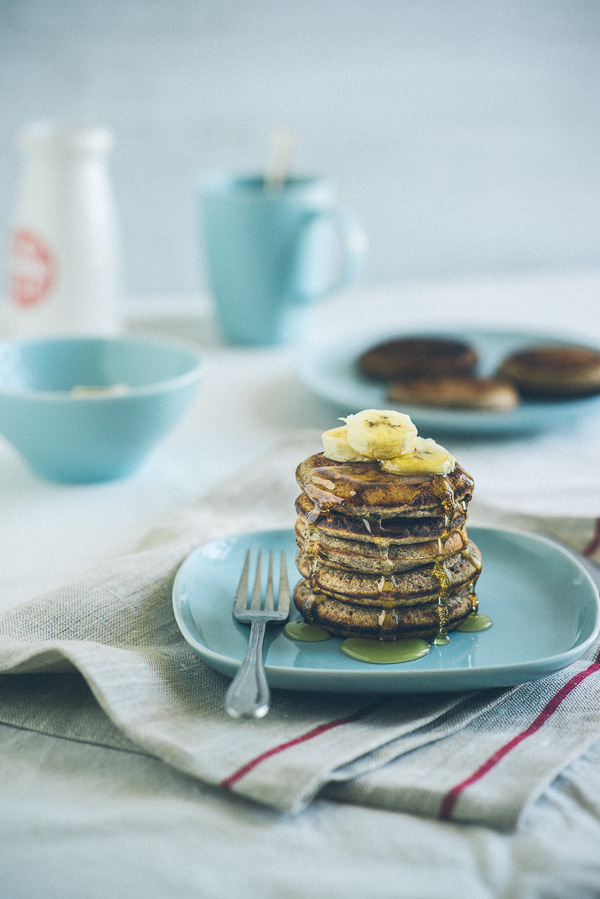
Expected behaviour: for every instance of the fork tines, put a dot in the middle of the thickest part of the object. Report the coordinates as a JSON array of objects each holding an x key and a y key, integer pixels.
[{"x": 280, "y": 604}]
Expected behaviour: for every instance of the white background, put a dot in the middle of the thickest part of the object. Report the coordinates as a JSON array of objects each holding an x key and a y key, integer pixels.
[{"x": 464, "y": 133}]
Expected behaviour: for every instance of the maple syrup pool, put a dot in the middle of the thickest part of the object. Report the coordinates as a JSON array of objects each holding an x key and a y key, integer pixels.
[{"x": 379, "y": 652}]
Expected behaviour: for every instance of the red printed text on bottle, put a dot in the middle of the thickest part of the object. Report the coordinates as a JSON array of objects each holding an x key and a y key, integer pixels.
[{"x": 32, "y": 269}]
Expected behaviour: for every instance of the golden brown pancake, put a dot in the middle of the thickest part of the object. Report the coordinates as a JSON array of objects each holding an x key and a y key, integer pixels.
[
  {"x": 554, "y": 372},
  {"x": 361, "y": 488},
  {"x": 410, "y": 357},
  {"x": 373, "y": 529},
  {"x": 383, "y": 555},
  {"x": 417, "y": 585},
  {"x": 457, "y": 392},
  {"x": 375, "y": 558},
  {"x": 345, "y": 619}
]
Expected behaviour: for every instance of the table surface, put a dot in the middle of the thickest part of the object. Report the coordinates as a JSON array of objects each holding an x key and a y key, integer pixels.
[{"x": 108, "y": 836}]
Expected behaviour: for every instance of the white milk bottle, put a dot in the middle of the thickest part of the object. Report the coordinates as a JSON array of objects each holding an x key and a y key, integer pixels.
[{"x": 64, "y": 265}]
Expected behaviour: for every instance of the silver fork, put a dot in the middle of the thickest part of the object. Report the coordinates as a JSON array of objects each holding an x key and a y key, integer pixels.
[{"x": 248, "y": 695}]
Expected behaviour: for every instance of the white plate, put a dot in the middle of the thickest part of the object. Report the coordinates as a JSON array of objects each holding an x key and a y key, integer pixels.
[
  {"x": 329, "y": 370},
  {"x": 543, "y": 603}
]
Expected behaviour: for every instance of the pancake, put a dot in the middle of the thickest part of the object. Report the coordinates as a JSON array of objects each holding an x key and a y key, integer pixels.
[
  {"x": 554, "y": 371},
  {"x": 360, "y": 489},
  {"x": 406, "y": 357},
  {"x": 382, "y": 554},
  {"x": 457, "y": 392},
  {"x": 375, "y": 558},
  {"x": 417, "y": 585},
  {"x": 343, "y": 619},
  {"x": 379, "y": 531}
]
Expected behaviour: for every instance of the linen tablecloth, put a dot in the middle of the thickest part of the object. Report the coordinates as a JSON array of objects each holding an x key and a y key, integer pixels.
[{"x": 102, "y": 661}]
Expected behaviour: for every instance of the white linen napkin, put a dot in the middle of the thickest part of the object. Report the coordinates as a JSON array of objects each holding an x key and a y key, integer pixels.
[{"x": 102, "y": 661}]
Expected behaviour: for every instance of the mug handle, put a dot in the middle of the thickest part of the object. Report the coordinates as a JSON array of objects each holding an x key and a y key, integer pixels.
[{"x": 352, "y": 242}]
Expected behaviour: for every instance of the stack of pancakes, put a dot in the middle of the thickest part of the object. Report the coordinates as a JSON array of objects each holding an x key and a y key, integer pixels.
[
  {"x": 435, "y": 371},
  {"x": 383, "y": 555}
]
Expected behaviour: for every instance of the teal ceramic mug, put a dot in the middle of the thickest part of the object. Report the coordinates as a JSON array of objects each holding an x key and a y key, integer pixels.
[{"x": 270, "y": 253}]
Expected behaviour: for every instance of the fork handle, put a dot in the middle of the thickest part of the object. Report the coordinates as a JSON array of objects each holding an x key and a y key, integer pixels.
[{"x": 248, "y": 695}]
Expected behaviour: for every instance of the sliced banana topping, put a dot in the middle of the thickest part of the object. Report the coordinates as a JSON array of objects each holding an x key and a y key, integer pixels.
[
  {"x": 428, "y": 458},
  {"x": 337, "y": 448},
  {"x": 381, "y": 434},
  {"x": 391, "y": 439}
]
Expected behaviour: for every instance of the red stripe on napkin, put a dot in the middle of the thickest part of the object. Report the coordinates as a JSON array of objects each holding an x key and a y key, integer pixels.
[
  {"x": 451, "y": 798},
  {"x": 228, "y": 782},
  {"x": 594, "y": 543}
]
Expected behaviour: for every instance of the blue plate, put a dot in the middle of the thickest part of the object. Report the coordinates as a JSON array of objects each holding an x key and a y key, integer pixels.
[
  {"x": 543, "y": 603},
  {"x": 330, "y": 371}
]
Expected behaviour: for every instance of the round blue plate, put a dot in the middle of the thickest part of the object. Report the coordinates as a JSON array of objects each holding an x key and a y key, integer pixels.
[
  {"x": 543, "y": 603},
  {"x": 330, "y": 371}
]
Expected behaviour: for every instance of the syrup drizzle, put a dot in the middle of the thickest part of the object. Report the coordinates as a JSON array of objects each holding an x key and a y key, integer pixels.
[
  {"x": 445, "y": 493},
  {"x": 303, "y": 632},
  {"x": 379, "y": 652}
]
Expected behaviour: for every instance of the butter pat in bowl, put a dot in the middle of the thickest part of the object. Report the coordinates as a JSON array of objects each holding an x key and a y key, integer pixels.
[{"x": 89, "y": 409}]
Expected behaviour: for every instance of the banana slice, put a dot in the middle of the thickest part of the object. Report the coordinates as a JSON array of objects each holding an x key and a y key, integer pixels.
[
  {"x": 337, "y": 448},
  {"x": 381, "y": 434},
  {"x": 428, "y": 458}
]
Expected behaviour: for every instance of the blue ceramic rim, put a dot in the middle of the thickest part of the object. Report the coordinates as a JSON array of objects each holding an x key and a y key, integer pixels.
[
  {"x": 163, "y": 386},
  {"x": 251, "y": 184}
]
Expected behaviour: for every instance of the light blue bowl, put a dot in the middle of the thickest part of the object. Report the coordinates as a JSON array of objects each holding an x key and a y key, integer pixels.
[{"x": 139, "y": 390}]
